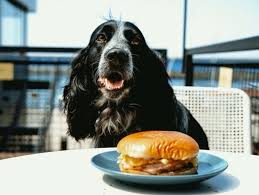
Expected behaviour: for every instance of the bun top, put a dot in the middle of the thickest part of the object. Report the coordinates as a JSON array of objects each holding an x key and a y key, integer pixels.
[{"x": 159, "y": 144}]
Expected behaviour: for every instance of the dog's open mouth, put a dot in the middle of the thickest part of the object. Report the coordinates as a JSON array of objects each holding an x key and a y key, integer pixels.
[{"x": 113, "y": 81}]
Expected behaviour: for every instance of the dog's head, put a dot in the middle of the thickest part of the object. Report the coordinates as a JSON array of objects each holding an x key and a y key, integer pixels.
[
  {"x": 112, "y": 55},
  {"x": 116, "y": 64}
]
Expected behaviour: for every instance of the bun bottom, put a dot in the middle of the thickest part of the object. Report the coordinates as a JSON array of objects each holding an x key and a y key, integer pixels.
[{"x": 190, "y": 171}]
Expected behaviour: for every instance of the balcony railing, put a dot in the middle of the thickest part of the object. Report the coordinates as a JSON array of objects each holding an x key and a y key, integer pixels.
[
  {"x": 242, "y": 73},
  {"x": 247, "y": 44},
  {"x": 30, "y": 116}
]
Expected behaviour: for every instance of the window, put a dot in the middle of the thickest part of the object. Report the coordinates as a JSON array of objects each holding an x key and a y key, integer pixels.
[{"x": 12, "y": 24}]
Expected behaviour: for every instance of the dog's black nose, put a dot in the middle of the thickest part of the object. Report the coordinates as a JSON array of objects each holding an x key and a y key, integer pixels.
[{"x": 117, "y": 56}]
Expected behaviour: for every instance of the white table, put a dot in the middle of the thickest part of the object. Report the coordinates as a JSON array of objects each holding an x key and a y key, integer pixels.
[{"x": 70, "y": 172}]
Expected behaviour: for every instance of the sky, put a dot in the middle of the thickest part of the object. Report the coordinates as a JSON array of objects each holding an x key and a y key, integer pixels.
[{"x": 69, "y": 23}]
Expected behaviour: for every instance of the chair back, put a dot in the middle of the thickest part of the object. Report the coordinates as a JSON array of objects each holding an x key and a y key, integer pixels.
[{"x": 224, "y": 114}]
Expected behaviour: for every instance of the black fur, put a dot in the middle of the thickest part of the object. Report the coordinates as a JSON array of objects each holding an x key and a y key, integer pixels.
[{"x": 147, "y": 101}]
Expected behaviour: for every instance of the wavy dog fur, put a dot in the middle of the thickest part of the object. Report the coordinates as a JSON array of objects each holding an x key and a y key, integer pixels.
[{"x": 118, "y": 53}]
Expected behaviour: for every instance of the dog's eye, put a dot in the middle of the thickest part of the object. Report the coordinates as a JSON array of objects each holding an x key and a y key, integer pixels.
[
  {"x": 135, "y": 41},
  {"x": 101, "y": 38}
]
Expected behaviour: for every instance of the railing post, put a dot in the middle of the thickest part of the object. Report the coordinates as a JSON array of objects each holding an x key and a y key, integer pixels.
[{"x": 188, "y": 70}]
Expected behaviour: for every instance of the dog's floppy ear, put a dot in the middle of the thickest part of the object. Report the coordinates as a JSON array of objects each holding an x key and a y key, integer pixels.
[{"x": 78, "y": 98}]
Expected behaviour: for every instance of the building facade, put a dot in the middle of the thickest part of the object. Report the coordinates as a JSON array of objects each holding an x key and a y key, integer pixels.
[{"x": 13, "y": 21}]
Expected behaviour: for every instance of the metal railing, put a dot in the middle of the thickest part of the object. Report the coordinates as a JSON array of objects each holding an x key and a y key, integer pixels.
[
  {"x": 29, "y": 97},
  {"x": 30, "y": 101},
  {"x": 231, "y": 46},
  {"x": 245, "y": 72}
]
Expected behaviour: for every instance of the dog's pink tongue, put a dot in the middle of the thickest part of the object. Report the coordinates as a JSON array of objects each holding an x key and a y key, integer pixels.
[{"x": 113, "y": 85}]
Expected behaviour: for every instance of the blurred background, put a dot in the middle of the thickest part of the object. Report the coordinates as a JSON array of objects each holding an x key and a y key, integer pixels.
[{"x": 38, "y": 39}]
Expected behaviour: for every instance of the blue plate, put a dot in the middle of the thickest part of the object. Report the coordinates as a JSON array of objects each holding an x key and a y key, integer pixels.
[{"x": 209, "y": 166}]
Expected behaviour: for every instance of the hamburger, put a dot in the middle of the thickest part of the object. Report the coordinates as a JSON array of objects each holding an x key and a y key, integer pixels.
[{"x": 158, "y": 153}]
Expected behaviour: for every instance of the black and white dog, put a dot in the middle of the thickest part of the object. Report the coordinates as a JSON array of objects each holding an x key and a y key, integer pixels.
[{"x": 119, "y": 86}]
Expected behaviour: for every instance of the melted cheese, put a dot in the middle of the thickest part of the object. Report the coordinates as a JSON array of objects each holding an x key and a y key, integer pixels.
[{"x": 140, "y": 162}]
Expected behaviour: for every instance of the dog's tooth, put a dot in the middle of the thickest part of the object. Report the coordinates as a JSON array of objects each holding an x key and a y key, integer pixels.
[{"x": 107, "y": 84}]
